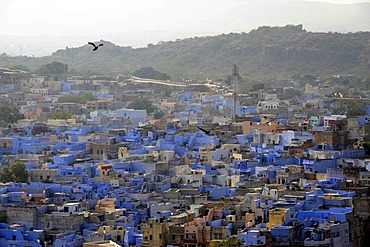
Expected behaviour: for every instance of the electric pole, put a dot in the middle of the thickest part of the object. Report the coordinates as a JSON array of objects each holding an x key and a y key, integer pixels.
[{"x": 235, "y": 74}]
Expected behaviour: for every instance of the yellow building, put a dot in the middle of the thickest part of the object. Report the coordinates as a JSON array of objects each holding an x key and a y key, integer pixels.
[
  {"x": 53, "y": 85},
  {"x": 54, "y": 138},
  {"x": 205, "y": 156},
  {"x": 61, "y": 122},
  {"x": 37, "y": 175},
  {"x": 277, "y": 217},
  {"x": 116, "y": 232},
  {"x": 155, "y": 234},
  {"x": 233, "y": 180}
]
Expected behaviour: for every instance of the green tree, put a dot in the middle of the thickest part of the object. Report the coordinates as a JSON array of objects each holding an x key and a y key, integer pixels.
[
  {"x": 229, "y": 80},
  {"x": 165, "y": 91},
  {"x": 293, "y": 92},
  {"x": 16, "y": 172},
  {"x": 158, "y": 114},
  {"x": 234, "y": 242},
  {"x": 143, "y": 104},
  {"x": 6, "y": 174},
  {"x": 256, "y": 86},
  {"x": 18, "y": 169},
  {"x": 62, "y": 115},
  {"x": 150, "y": 73},
  {"x": 9, "y": 114},
  {"x": 54, "y": 68},
  {"x": 366, "y": 146},
  {"x": 351, "y": 108},
  {"x": 77, "y": 98},
  {"x": 81, "y": 121},
  {"x": 3, "y": 217},
  {"x": 162, "y": 76},
  {"x": 20, "y": 67}
]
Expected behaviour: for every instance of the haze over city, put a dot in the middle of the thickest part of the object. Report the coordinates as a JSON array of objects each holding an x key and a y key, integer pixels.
[
  {"x": 184, "y": 123},
  {"x": 41, "y": 27}
]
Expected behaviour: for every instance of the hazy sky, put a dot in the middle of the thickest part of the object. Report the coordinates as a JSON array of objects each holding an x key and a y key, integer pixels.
[
  {"x": 86, "y": 17},
  {"x": 136, "y": 23}
]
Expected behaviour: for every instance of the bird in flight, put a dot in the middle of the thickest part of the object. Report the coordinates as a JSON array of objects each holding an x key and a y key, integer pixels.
[
  {"x": 95, "y": 46},
  {"x": 212, "y": 131},
  {"x": 204, "y": 130}
]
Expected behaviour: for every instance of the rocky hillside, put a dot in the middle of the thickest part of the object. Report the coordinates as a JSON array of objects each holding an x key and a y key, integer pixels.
[{"x": 263, "y": 53}]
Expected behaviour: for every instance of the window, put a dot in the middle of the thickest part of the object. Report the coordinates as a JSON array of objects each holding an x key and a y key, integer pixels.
[
  {"x": 150, "y": 237},
  {"x": 160, "y": 236},
  {"x": 217, "y": 236}
]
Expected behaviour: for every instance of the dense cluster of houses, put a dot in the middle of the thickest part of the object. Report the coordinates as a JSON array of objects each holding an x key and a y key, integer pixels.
[{"x": 285, "y": 173}]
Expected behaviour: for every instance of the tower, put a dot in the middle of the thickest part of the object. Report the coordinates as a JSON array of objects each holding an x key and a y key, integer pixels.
[{"x": 235, "y": 74}]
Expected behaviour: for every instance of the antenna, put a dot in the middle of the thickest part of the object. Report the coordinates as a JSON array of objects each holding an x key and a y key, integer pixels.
[{"x": 235, "y": 80}]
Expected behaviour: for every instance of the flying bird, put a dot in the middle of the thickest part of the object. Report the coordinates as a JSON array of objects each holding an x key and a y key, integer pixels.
[
  {"x": 204, "y": 130},
  {"x": 95, "y": 46}
]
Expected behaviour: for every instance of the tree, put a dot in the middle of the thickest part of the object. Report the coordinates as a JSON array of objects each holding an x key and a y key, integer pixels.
[
  {"x": 229, "y": 80},
  {"x": 150, "y": 73},
  {"x": 366, "y": 146},
  {"x": 292, "y": 92},
  {"x": 62, "y": 115},
  {"x": 351, "y": 108},
  {"x": 77, "y": 98},
  {"x": 303, "y": 80},
  {"x": 234, "y": 242},
  {"x": 143, "y": 104},
  {"x": 162, "y": 76},
  {"x": 158, "y": 114},
  {"x": 9, "y": 114},
  {"x": 165, "y": 91},
  {"x": 18, "y": 169},
  {"x": 3, "y": 217},
  {"x": 257, "y": 86},
  {"x": 54, "y": 68},
  {"x": 6, "y": 174},
  {"x": 20, "y": 67},
  {"x": 16, "y": 172}
]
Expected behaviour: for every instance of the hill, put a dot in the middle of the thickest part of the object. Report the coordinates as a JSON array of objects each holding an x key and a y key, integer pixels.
[{"x": 263, "y": 53}]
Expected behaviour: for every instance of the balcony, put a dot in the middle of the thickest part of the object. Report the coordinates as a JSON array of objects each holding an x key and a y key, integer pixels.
[
  {"x": 322, "y": 243},
  {"x": 189, "y": 241}
]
